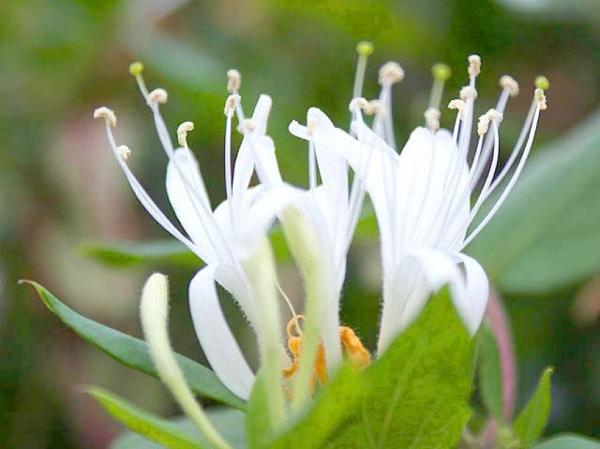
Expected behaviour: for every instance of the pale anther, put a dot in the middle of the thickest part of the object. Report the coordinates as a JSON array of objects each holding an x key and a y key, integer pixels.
[
  {"x": 511, "y": 86},
  {"x": 540, "y": 97},
  {"x": 124, "y": 152},
  {"x": 459, "y": 105},
  {"x": 358, "y": 103},
  {"x": 432, "y": 118},
  {"x": 468, "y": 93},
  {"x": 231, "y": 103},
  {"x": 474, "y": 65},
  {"x": 374, "y": 107},
  {"x": 182, "y": 131},
  {"x": 234, "y": 81},
  {"x": 106, "y": 114},
  {"x": 158, "y": 95},
  {"x": 390, "y": 73},
  {"x": 485, "y": 120}
]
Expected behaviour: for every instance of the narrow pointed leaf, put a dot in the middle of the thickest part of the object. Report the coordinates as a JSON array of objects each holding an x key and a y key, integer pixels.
[
  {"x": 133, "y": 352},
  {"x": 228, "y": 422},
  {"x": 530, "y": 424},
  {"x": 568, "y": 441},
  {"x": 144, "y": 423},
  {"x": 128, "y": 254},
  {"x": 490, "y": 373}
]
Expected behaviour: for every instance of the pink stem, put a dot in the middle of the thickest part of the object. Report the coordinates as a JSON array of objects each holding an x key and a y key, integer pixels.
[{"x": 498, "y": 321}]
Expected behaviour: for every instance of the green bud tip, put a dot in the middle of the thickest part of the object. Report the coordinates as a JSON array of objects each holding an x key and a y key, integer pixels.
[
  {"x": 541, "y": 82},
  {"x": 136, "y": 68},
  {"x": 364, "y": 48},
  {"x": 441, "y": 71}
]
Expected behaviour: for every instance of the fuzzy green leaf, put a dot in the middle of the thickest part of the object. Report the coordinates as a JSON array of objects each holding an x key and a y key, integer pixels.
[
  {"x": 568, "y": 441},
  {"x": 334, "y": 406},
  {"x": 490, "y": 373},
  {"x": 530, "y": 424},
  {"x": 133, "y": 352},
  {"x": 139, "y": 421},
  {"x": 417, "y": 393},
  {"x": 228, "y": 422}
]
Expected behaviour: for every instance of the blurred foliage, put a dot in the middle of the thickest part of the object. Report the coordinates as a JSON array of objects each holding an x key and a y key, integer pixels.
[{"x": 59, "y": 188}]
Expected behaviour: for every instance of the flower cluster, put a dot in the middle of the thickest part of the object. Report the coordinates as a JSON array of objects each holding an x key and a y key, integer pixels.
[{"x": 428, "y": 198}]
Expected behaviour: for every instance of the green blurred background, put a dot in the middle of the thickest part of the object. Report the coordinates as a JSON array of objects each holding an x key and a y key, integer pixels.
[{"x": 60, "y": 188}]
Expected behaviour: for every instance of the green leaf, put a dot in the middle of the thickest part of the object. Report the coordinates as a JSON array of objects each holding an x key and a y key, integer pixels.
[
  {"x": 128, "y": 254},
  {"x": 530, "y": 424},
  {"x": 336, "y": 403},
  {"x": 152, "y": 427},
  {"x": 417, "y": 393},
  {"x": 490, "y": 373},
  {"x": 550, "y": 225},
  {"x": 568, "y": 441},
  {"x": 228, "y": 422},
  {"x": 133, "y": 352}
]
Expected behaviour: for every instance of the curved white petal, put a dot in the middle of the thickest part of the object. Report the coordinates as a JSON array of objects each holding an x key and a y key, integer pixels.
[
  {"x": 477, "y": 291},
  {"x": 190, "y": 202},
  {"x": 244, "y": 161},
  {"x": 418, "y": 276},
  {"x": 214, "y": 334},
  {"x": 267, "y": 168}
]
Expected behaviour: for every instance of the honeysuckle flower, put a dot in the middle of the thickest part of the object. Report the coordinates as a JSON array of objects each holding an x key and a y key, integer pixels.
[
  {"x": 230, "y": 239},
  {"x": 422, "y": 196}
]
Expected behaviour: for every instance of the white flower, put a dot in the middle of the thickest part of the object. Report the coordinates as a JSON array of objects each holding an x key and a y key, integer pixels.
[
  {"x": 229, "y": 239},
  {"x": 422, "y": 196}
]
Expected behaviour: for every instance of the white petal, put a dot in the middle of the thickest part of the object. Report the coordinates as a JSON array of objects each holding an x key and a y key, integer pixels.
[
  {"x": 431, "y": 172},
  {"x": 418, "y": 276},
  {"x": 262, "y": 211},
  {"x": 214, "y": 334},
  {"x": 334, "y": 175},
  {"x": 190, "y": 202},
  {"x": 267, "y": 167},
  {"x": 476, "y": 293},
  {"x": 244, "y": 162}
]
